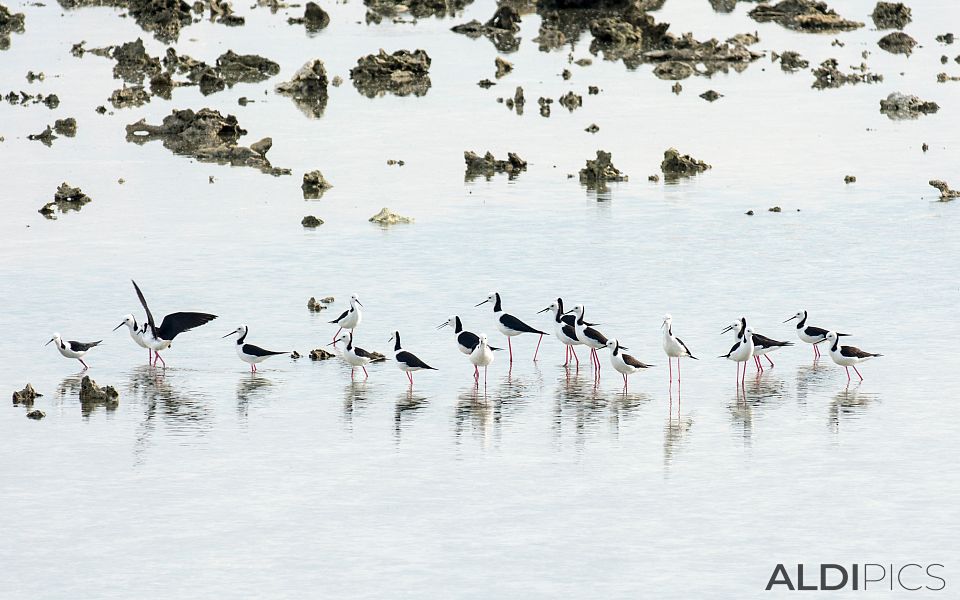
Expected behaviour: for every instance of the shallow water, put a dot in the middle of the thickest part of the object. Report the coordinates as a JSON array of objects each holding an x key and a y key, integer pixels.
[{"x": 210, "y": 481}]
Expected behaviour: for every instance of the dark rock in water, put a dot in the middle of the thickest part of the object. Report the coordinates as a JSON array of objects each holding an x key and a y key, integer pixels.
[
  {"x": 308, "y": 88},
  {"x": 127, "y": 97},
  {"x": 897, "y": 43},
  {"x": 593, "y": 128},
  {"x": 672, "y": 70},
  {"x": 51, "y": 101},
  {"x": 9, "y": 23},
  {"x": 925, "y": 147},
  {"x": 503, "y": 67},
  {"x": 46, "y": 136},
  {"x": 162, "y": 18},
  {"x": 294, "y": 355},
  {"x": 377, "y": 10},
  {"x": 501, "y": 29},
  {"x": 803, "y": 15},
  {"x": 544, "y": 106},
  {"x": 676, "y": 88},
  {"x": 66, "y": 127},
  {"x": 314, "y": 305},
  {"x": 899, "y": 106},
  {"x": 487, "y": 165},
  {"x": 401, "y": 73},
  {"x": 519, "y": 100},
  {"x": 314, "y": 18},
  {"x": 221, "y": 12},
  {"x": 593, "y": 90},
  {"x": 314, "y": 185},
  {"x": 711, "y": 96},
  {"x": 775, "y": 209},
  {"x": 946, "y": 194},
  {"x": 749, "y": 213},
  {"x": 850, "y": 179},
  {"x": 891, "y": 15},
  {"x": 65, "y": 199},
  {"x": 702, "y": 58},
  {"x": 133, "y": 64},
  {"x": 26, "y": 396},
  {"x": 600, "y": 170},
  {"x": 550, "y": 37},
  {"x": 828, "y": 75},
  {"x": 246, "y": 68},
  {"x": 675, "y": 165},
  {"x": 943, "y": 78},
  {"x": 263, "y": 146},
  {"x": 653, "y": 178},
  {"x": 36, "y": 414},
  {"x": 91, "y": 393},
  {"x": 205, "y": 135},
  {"x": 790, "y": 61},
  {"x": 320, "y": 354},
  {"x": 945, "y": 38},
  {"x": 486, "y": 83},
  {"x": 614, "y": 31},
  {"x": 571, "y": 101},
  {"x": 311, "y": 222}
]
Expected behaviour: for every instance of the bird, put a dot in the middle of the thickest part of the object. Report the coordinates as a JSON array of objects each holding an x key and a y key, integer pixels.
[
  {"x": 565, "y": 328},
  {"x": 590, "y": 337},
  {"x": 741, "y": 352},
  {"x": 354, "y": 355},
  {"x": 406, "y": 361},
  {"x": 136, "y": 333},
  {"x": 350, "y": 318},
  {"x": 248, "y": 353},
  {"x": 482, "y": 356},
  {"x": 845, "y": 356},
  {"x": 624, "y": 363},
  {"x": 674, "y": 346},
  {"x": 160, "y": 338},
  {"x": 810, "y": 334},
  {"x": 509, "y": 325},
  {"x": 466, "y": 340},
  {"x": 70, "y": 349},
  {"x": 762, "y": 345}
]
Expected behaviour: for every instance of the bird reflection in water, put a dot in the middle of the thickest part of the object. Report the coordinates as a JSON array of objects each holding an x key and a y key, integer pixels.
[
  {"x": 408, "y": 403},
  {"x": 676, "y": 430},
  {"x": 810, "y": 378},
  {"x": 763, "y": 391},
  {"x": 849, "y": 404},
  {"x": 355, "y": 398},
  {"x": 474, "y": 411},
  {"x": 252, "y": 388}
]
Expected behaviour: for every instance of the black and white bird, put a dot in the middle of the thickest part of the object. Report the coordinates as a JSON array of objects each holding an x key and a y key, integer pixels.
[
  {"x": 350, "y": 318},
  {"x": 353, "y": 355},
  {"x": 407, "y": 361},
  {"x": 248, "y": 353},
  {"x": 160, "y": 338},
  {"x": 809, "y": 333},
  {"x": 137, "y": 333},
  {"x": 762, "y": 345},
  {"x": 845, "y": 356},
  {"x": 589, "y": 336},
  {"x": 624, "y": 363},
  {"x": 71, "y": 349},
  {"x": 482, "y": 356},
  {"x": 466, "y": 340},
  {"x": 510, "y": 325},
  {"x": 565, "y": 329},
  {"x": 673, "y": 346},
  {"x": 741, "y": 352}
]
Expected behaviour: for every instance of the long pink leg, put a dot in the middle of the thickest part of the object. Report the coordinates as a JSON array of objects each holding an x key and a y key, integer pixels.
[
  {"x": 848, "y": 373},
  {"x": 156, "y": 357},
  {"x": 678, "y": 369},
  {"x": 670, "y": 361},
  {"x": 743, "y": 377},
  {"x": 410, "y": 377},
  {"x": 574, "y": 352},
  {"x": 510, "y": 347},
  {"x": 476, "y": 372},
  {"x": 858, "y": 372},
  {"x": 351, "y": 373},
  {"x": 85, "y": 367},
  {"x": 767, "y": 356},
  {"x": 538, "y": 348},
  {"x": 365, "y": 375},
  {"x": 566, "y": 355},
  {"x": 336, "y": 334}
]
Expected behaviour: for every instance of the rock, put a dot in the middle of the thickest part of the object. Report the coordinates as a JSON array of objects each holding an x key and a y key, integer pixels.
[
  {"x": 503, "y": 67},
  {"x": 519, "y": 100},
  {"x": 377, "y": 10},
  {"x": 127, "y": 97},
  {"x": 221, "y": 11},
  {"x": 66, "y": 127},
  {"x": 673, "y": 70},
  {"x": 592, "y": 128},
  {"x": 653, "y": 178},
  {"x": 263, "y": 146},
  {"x": 9, "y": 23},
  {"x": 897, "y": 43},
  {"x": 943, "y": 78},
  {"x": 924, "y": 147},
  {"x": 828, "y": 75},
  {"x": 205, "y": 135},
  {"x": 946, "y": 194},
  {"x": 51, "y": 101},
  {"x": 850, "y": 179},
  {"x": 314, "y": 185},
  {"x": 600, "y": 170},
  {"x": 245, "y": 68},
  {"x": 162, "y": 18},
  {"x": 486, "y": 83},
  {"x": 46, "y": 136},
  {"x": 500, "y": 29},
  {"x": 294, "y": 355},
  {"x": 36, "y": 414},
  {"x": 792, "y": 61},
  {"x": 803, "y": 15},
  {"x": 583, "y": 62},
  {"x": 891, "y": 15},
  {"x": 775, "y": 209},
  {"x": 337, "y": 81},
  {"x": 899, "y": 106},
  {"x": 133, "y": 64},
  {"x": 593, "y": 90},
  {"x": 385, "y": 217},
  {"x": 320, "y": 354},
  {"x": 487, "y": 165},
  {"x": 945, "y": 38},
  {"x": 749, "y": 213},
  {"x": 711, "y": 96},
  {"x": 314, "y": 18},
  {"x": 91, "y": 393},
  {"x": 314, "y": 305},
  {"x": 544, "y": 106},
  {"x": 675, "y": 165},
  {"x": 308, "y": 88},
  {"x": 65, "y": 199},
  {"x": 311, "y": 222},
  {"x": 676, "y": 88},
  {"x": 571, "y": 101},
  {"x": 26, "y": 396},
  {"x": 31, "y": 76},
  {"x": 401, "y": 73}
]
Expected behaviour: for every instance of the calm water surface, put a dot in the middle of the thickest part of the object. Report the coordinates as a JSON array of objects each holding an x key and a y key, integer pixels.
[{"x": 208, "y": 481}]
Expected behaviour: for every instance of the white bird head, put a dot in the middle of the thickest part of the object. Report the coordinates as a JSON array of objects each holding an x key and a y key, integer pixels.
[
  {"x": 129, "y": 321},
  {"x": 554, "y": 308},
  {"x": 747, "y": 332},
  {"x": 451, "y": 322},
  {"x": 355, "y": 299},
  {"x": 667, "y": 320},
  {"x": 613, "y": 343},
  {"x": 393, "y": 337},
  {"x": 737, "y": 326},
  {"x": 242, "y": 330},
  {"x": 577, "y": 310},
  {"x": 800, "y": 315},
  {"x": 491, "y": 297},
  {"x": 56, "y": 338},
  {"x": 832, "y": 336},
  {"x": 483, "y": 339},
  {"x": 346, "y": 337}
]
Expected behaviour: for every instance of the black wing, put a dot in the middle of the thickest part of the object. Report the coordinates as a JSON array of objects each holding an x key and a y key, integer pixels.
[
  {"x": 83, "y": 347},
  {"x": 408, "y": 358},
  {"x": 340, "y": 318},
  {"x": 468, "y": 340},
  {"x": 511, "y": 322},
  {"x": 853, "y": 351},
  {"x": 764, "y": 342},
  {"x": 634, "y": 362},
  {"x": 252, "y": 350},
  {"x": 593, "y": 334},
  {"x": 570, "y": 331},
  {"x": 679, "y": 341},
  {"x": 143, "y": 301},
  {"x": 572, "y": 320},
  {"x": 815, "y": 331},
  {"x": 363, "y": 353},
  {"x": 176, "y": 323},
  {"x": 727, "y": 355}
]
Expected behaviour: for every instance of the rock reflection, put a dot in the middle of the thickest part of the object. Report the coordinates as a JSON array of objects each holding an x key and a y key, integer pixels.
[
  {"x": 406, "y": 408},
  {"x": 849, "y": 404}
]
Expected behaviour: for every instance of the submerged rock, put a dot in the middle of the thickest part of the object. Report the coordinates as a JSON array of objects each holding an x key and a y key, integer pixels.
[
  {"x": 803, "y": 15},
  {"x": 247, "y": 68},
  {"x": 162, "y": 18},
  {"x": 308, "y": 88},
  {"x": 790, "y": 61},
  {"x": 501, "y": 29},
  {"x": 850, "y": 179},
  {"x": 600, "y": 170},
  {"x": 65, "y": 199},
  {"x": 891, "y": 15},
  {"x": 320, "y": 354},
  {"x": 902, "y": 106},
  {"x": 401, "y": 73},
  {"x": 711, "y": 95},
  {"x": 91, "y": 393},
  {"x": 45, "y": 137},
  {"x": 314, "y": 18},
  {"x": 314, "y": 305},
  {"x": 946, "y": 194},
  {"x": 828, "y": 75},
  {"x": 311, "y": 222},
  {"x": 571, "y": 101},
  {"x": 487, "y": 165},
  {"x": 385, "y": 217},
  {"x": 503, "y": 67},
  {"x": 36, "y": 414},
  {"x": 377, "y": 10},
  {"x": 127, "y": 97},
  {"x": 897, "y": 43},
  {"x": 314, "y": 185},
  {"x": 66, "y": 127},
  {"x": 26, "y": 396},
  {"x": 675, "y": 165},
  {"x": 206, "y": 135},
  {"x": 9, "y": 23}
]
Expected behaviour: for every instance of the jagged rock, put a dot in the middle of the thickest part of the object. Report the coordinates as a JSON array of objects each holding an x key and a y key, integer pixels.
[
  {"x": 127, "y": 97},
  {"x": 544, "y": 106},
  {"x": 91, "y": 393},
  {"x": 653, "y": 178},
  {"x": 46, "y": 136},
  {"x": 385, "y": 217},
  {"x": 36, "y": 414},
  {"x": 401, "y": 73},
  {"x": 945, "y": 38},
  {"x": 486, "y": 83},
  {"x": 803, "y": 15},
  {"x": 828, "y": 75},
  {"x": 946, "y": 193},
  {"x": 791, "y": 61},
  {"x": 163, "y": 18},
  {"x": 775, "y": 209},
  {"x": 314, "y": 305},
  {"x": 891, "y": 15},
  {"x": 592, "y": 128},
  {"x": 500, "y": 29},
  {"x": 897, "y": 43},
  {"x": 308, "y": 88},
  {"x": 246, "y": 68},
  {"x": 205, "y": 135},
  {"x": 600, "y": 170},
  {"x": 487, "y": 165},
  {"x": 294, "y": 355},
  {"x": 311, "y": 222},
  {"x": 711, "y": 96},
  {"x": 673, "y": 70},
  {"x": 377, "y": 10},
  {"x": 571, "y": 101},
  {"x": 66, "y": 127},
  {"x": 314, "y": 185},
  {"x": 9, "y": 23},
  {"x": 133, "y": 62},
  {"x": 850, "y": 179},
  {"x": 902, "y": 106},
  {"x": 320, "y": 354},
  {"x": 314, "y": 18},
  {"x": 503, "y": 67},
  {"x": 943, "y": 78},
  {"x": 26, "y": 396},
  {"x": 676, "y": 165},
  {"x": 65, "y": 199},
  {"x": 263, "y": 146}
]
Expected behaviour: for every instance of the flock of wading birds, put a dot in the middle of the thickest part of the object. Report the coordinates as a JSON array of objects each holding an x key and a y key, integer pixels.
[{"x": 570, "y": 328}]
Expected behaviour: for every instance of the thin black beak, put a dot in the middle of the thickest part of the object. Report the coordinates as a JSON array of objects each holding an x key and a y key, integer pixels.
[
  {"x": 48, "y": 343},
  {"x": 358, "y": 302},
  {"x": 790, "y": 319},
  {"x": 333, "y": 342},
  {"x": 442, "y": 325},
  {"x": 229, "y": 334},
  {"x": 119, "y": 326},
  {"x": 569, "y": 311},
  {"x": 482, "y": 303},
  {"x": 729, "y": 327},
  {"x": 544, "y": 310}
]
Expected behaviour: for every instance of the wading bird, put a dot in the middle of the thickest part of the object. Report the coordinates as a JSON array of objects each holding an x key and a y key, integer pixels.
[
  {"x": 673, "y": 346},
  {"x": 406, "y": 361},
  {"x": 72, "y": 349},
  {"x": 350, "y": 318},
  {"x": 510, "y": 325},
  {"x": 160, "y": 338},
  {"x": 762, "y": 345},
  {"x": 809, "y": 333},
  {"x": 248, "y": 353},
  {"x": 845, "y": 356},
  {"x": 624, "y": 363}
]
